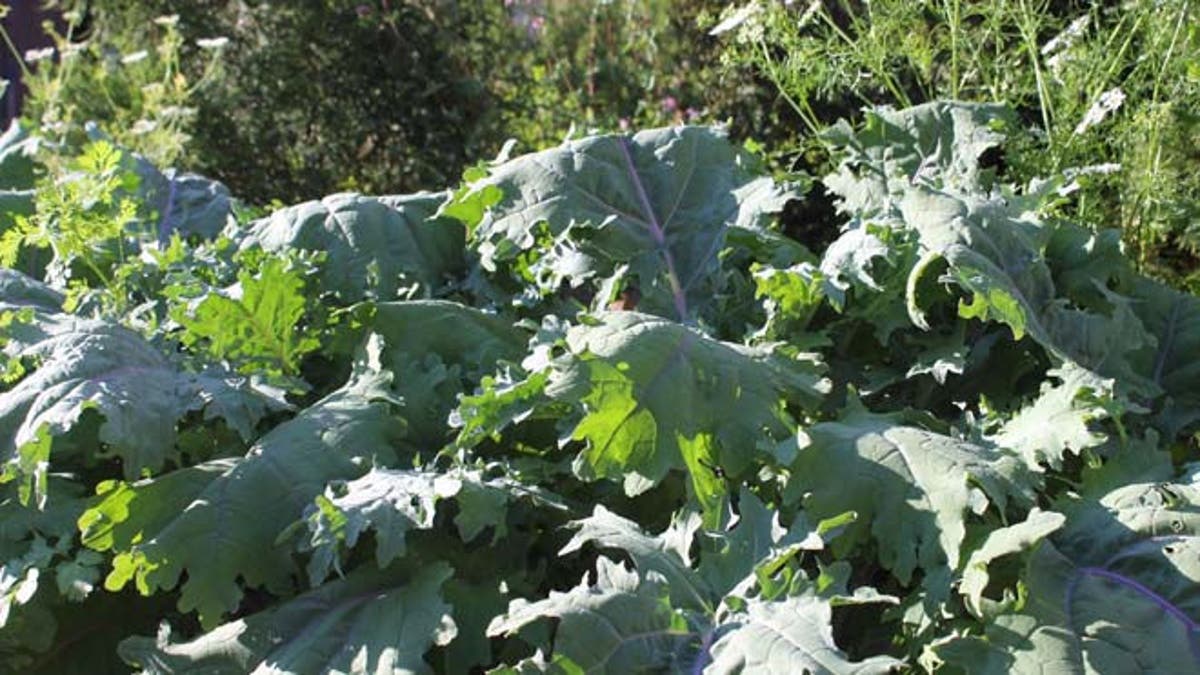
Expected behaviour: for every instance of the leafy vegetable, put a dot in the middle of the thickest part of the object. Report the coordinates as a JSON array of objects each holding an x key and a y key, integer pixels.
[
  {"x": 384, "y": 248},
  {"x": 591, "y": 412},
  {"x": 652, "y": 209},
  {"x": 913, "y": 489},
  {"x": 94, "y": 365},
  {"x": 209, "y": 521},
  {"x": 384, "y": 622}
]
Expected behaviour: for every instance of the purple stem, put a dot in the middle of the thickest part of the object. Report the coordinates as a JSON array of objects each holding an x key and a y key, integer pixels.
[
  {"x": 1163, "y": 604},
  {"x": 164, "y": 222},
  {"x": 1167, "y": 345},
  {"x": 656, "y": 233},
  {"x": 1146, "y": 592},
  {"x": 702, "y": 658}
]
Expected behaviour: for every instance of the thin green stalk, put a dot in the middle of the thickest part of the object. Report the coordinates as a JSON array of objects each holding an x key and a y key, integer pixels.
[
  {"x": 1029, "y": 37},
  {"x": 981, "y": 63},
  {"x": 1183, "y": 11},
  {"x": 17, "y": 56},
  {"x": 953, "y": 17},
  {"x": 1155, "y": 145},
  {"x": 104, "y": 278},
  {"x": 880, "y": 72},
  {"x": 805, "y": 111},
  {"x": 62, "y": 76},
  {"x": 1118, "y": 58}
]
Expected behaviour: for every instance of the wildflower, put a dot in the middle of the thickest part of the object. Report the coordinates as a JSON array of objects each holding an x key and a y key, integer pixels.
[
  {"x": 168, "y": 21},
  {"x": 176, "y": 112},
  {"x": 670, "y": 104},
  {"x": 363, "y": 11},
  {"x": 1099, "y": 169},
  {"x": 130, "y": 59},
  {"x": 144, "y": 126},
  {"x": 623, "y": 124},
  {"x": 737, "y": 18},
  {"x": 35, "y": 55},
  {"x": 809, "y": 12},
  {"x": 1105, "y": 104},
  {"x": 216, "y": 43},
  {"x": 1073, "y": 173},
  {"x": 1065, "y": 39},
  {"x": 72, "y": 50}
]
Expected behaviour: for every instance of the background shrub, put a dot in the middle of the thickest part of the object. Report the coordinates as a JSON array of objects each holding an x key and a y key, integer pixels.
[
  {"x": 390, "y": 97},
  {"x": 1112, "y": 91}
]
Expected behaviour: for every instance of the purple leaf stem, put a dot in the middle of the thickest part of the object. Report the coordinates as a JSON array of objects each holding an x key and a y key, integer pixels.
[
  {"x": 706, "y": 641},
  {"x": 656, "y": 233},
  {"x": 164, "y": 223},
  {"x": 1145, "y": 591}
]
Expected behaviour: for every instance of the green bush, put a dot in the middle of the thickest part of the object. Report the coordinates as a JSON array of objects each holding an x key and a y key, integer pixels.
[
  {"x": 388, "y": 97},
  {"x": 322, "y": 96}
]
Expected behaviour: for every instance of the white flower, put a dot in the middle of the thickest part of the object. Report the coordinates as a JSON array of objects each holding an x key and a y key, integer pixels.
[
  {"x": 737, "y": 18},
  {"x": 212, "y": 43},
  {"x": 130, "y": 59},
  {"x": 72, "y": 50},
  {"x": 1107, "y": 103},
  {"x": 168, "y": 20},
  {"x": 1094, "y": 170},
  {"x": 176, "y": 112},
  {"x": 1073, "y": 173},
  {"x": 809, "y": 12},
  {"x": 1067, "y": 38},
  {"x": 35, "y": 55},
  {"x": 142, "y": 127}
]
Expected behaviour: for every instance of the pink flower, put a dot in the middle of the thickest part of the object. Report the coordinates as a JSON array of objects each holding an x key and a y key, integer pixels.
[
  {"x": 670, "y": 104},
  {"x": 363, "y": 11},
  {"x": 623, "y": 124}
]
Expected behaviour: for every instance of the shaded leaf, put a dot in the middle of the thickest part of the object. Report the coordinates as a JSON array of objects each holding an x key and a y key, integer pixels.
[
  {"x": 394, "y": 502},
  {"x": 438, "y": 350},
  {"x": 1001, "y": 542},
  {"x": 370, "y": 622}
]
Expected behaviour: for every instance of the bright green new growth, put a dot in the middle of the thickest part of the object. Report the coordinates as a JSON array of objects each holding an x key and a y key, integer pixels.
[
  {"x": 93, "y": 207},
  {"x": 659, "y": 396},
  {"x": 255, "y": 325}
]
